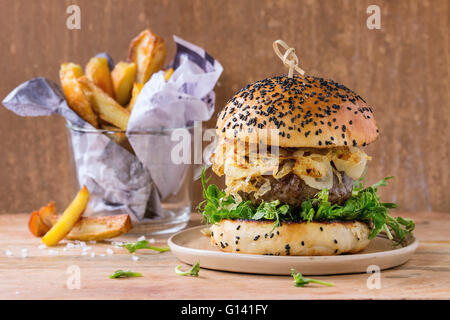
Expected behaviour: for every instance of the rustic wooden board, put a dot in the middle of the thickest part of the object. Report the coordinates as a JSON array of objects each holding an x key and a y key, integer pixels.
[
  {"x": 43, "y": 276},
  {"x": 402, "y": 70}
]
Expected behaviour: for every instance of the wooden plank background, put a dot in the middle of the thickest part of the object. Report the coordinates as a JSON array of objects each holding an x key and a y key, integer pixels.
[{"x": 402, "y": 70}]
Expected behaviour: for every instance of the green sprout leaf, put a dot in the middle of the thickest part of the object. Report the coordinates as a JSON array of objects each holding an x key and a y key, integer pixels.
[
  {"x": 300, "y": 281},
  {"x": 124, "y": 274},
  {"x": 193, "y": 272},
  {"x": 143, "y": 244}
]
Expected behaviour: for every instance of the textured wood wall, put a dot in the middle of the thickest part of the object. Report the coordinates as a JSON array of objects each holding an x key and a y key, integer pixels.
[{"x": 402, "y": 70}]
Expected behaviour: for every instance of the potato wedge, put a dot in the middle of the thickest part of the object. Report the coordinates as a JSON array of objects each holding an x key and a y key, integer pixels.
[
  {"x": 41, "y": 221},
  {"x": 105, "y": 106},
  {"x": 168, "y": 74},
  {"x": 77, "y": 100},
  {"x": 100, "y": 228},
  {"x": 137, "y": 87},
  {"x": 123, "y": 76},
  {"x": 46, "y": 213},
  {"x": 97, "y": 70},
  {"x": 148, "y": 51},
  {"x": 68, "y": 219},
  {"x": 36, "y": 226}
]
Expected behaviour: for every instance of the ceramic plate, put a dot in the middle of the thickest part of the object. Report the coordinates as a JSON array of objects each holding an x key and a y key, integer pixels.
[{"x": 191, "y": 245}]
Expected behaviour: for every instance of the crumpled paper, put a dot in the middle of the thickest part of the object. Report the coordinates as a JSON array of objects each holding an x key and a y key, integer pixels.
[{"x": 118, "y": 180}]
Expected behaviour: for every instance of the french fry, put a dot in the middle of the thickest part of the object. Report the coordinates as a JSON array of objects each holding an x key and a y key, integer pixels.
[
  {"x": 41, "y": 221},
  {"x": 100, "y": 228},
  {"x": 137, "y": 87},
  {"x": 123, "y": 76},
  {"x": 168, "y": 74},
  {"x": 97, "y": 70},
  {"x": 105, "y": 106},
  {"x": 78, "y": 102},
  {"x": 148, "y": 51},
  {"x": 68, "y": 219}
]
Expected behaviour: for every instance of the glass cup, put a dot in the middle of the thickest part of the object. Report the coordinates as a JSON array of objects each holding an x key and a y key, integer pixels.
[{"x": 121, "y": 177}]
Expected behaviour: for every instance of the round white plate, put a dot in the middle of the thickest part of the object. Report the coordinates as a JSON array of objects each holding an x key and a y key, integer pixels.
[{"x": 191, "y": 245}]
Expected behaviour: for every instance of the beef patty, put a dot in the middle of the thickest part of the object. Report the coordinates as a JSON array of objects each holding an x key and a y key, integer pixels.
[{"x": 293, "y": 190}]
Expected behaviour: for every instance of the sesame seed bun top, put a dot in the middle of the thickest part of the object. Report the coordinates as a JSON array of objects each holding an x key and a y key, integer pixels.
[{"x": 303, "y": 111}]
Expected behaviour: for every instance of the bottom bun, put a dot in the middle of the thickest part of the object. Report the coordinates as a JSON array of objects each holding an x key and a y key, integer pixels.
[{"x": 291, "y": 238}]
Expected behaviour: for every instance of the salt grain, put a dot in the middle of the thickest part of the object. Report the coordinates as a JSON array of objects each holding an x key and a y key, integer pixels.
[
  {"x": 135, "y": 258},
  {"x": 141, "y": 238},
  {"x": 8, "y": 253},
  {"x": 52, "y": 252},
  {"x": 152, "y": 240},
  {"x": 109, "y": 251},
  {"x": 42, "y": 246},
  {"x": 92, "y": 254},
  {"x": 24, "y": 253}
]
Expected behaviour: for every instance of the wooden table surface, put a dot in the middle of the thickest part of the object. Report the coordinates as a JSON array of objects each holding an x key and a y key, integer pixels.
[{"x": 43, "y": 275}]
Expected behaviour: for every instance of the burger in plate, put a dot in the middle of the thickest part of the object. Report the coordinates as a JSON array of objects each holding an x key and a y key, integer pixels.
[{"x": 291, "y": 151}]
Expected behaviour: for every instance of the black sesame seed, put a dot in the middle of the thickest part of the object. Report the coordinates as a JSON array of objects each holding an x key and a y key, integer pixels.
[
  {"x": 321, "y": 229},
  {"x": 256, "y": 238}
]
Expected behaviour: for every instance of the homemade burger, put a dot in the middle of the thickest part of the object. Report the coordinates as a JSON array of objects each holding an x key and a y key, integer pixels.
[{"x": 291, "y": 152}]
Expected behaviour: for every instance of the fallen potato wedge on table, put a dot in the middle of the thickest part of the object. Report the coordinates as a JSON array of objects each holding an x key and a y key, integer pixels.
[
  {"x": 36, "y": 226},
  {"x": 123, "y": 76},
  {"x": 97, "y": 70},
  {"x": 74, "y": 94},
  {"x": 100, "y": 228},
  {"x": 148, "y": 51},
  {"x": 68, "y": 219},
  {"x": 41, "y": 221},
  {"x": 105, "y": 106},
  {"x": 47, "y": 213}
]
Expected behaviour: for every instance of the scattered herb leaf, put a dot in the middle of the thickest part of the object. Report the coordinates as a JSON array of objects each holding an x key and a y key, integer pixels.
[
  {"x": 143, "y": 244},
  {"x": 193, "y": 272},
  {"x": 300, "y": 281},
  {"x": 124, "y": 274}
]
